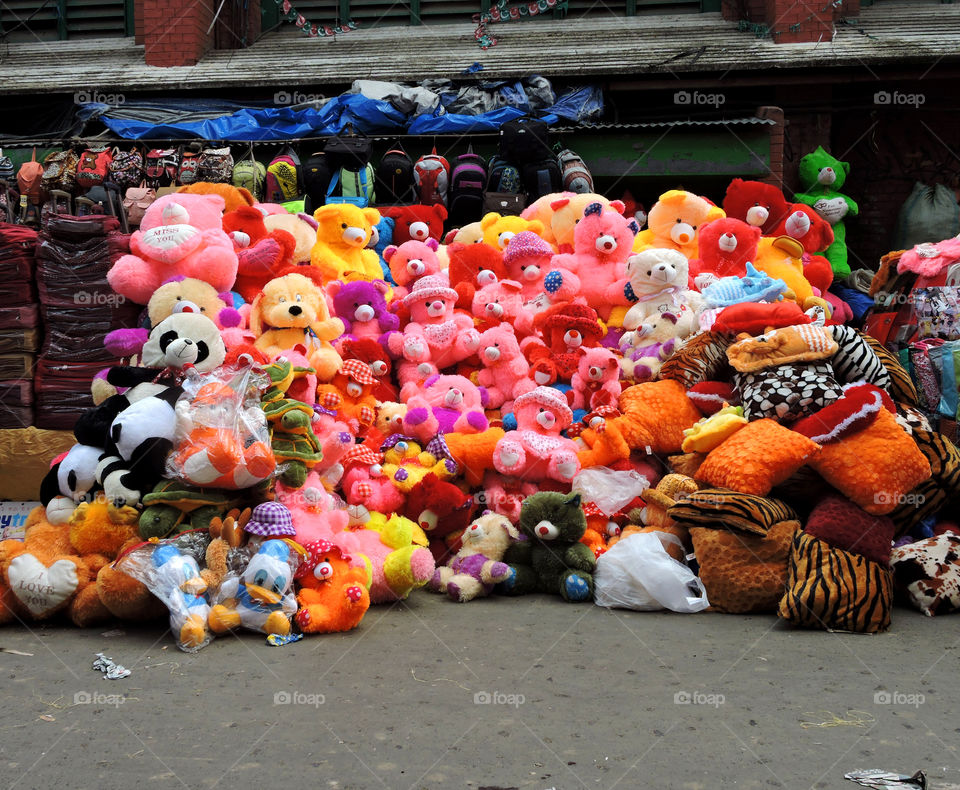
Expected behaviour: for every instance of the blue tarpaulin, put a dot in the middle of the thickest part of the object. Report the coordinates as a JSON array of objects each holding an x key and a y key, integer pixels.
[{"x": 232, "y": 122}]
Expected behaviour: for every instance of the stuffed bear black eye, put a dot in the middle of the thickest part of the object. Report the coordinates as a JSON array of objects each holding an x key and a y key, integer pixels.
[
  {"x": 167, "y": 338},
  {"x": 202, "y": 352}
]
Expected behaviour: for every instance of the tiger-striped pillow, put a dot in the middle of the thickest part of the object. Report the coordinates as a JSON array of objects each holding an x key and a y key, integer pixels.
[
  {"x": 722, "y": 508},
  {"x": 901, "y": 385},
  {"x": 702, "y": 357},
  {"x": 834, "y": 589}
]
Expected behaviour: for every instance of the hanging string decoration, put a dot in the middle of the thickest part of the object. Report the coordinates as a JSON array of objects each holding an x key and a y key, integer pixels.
[
  {"x": 308, "y": 28},
  {"x": 504, "y": 12},
  {"x": 760, "y": 30}
]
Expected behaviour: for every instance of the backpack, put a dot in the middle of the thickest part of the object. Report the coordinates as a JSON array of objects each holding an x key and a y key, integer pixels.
[
  {"x": 30, "y": 179},
  {"x": 162, "y": 166},
  {"x": 316, "y": 180},
  {"x": 503, "y": 176},
  {"x": 188, "y": 170},
  {"x": 283, "y": 177},
  {"x": 576, "y": 176},
  {"x": 93, "y": 167},
  {"x": 467, "y": 182},
  {"x": 525, "y": 140},
  {"x": 348, "y": 152},
  {"x": 136, "y": 201},
  {"x": 431, "y": 174},
  {"x": 541, "y": 178},
  {"x": 356, "y": 187},
  {"x": 126, "y": 168},
  {"x": 215, "y": 165},
  {"x": 395, "y": 182},
  {"x": 251, "y": 175},
  {"x": 60, "y": 170}
]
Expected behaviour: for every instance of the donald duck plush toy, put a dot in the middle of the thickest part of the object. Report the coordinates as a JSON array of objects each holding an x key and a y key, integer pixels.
[
  {"x": 262, "y": 599},
  {"x": 178, "y": 583}
]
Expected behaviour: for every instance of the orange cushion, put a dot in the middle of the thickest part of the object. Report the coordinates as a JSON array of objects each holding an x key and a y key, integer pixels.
[
  {"x": 876, "y": 467},
  {"x": 655, "y": 415},
  {"x": 756, "y": 458}
]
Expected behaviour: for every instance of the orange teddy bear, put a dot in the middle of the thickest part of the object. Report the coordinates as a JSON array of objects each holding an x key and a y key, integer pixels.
[
  {"x": 334, "y": 594},
  {"x": 351, "y": 396}
]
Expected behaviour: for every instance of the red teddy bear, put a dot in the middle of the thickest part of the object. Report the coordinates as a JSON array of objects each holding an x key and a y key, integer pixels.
[{"x": 262, "y": 253}]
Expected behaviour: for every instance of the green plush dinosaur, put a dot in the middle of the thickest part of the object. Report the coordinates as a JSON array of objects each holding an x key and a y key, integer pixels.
[{"x": 821, "y": 178}]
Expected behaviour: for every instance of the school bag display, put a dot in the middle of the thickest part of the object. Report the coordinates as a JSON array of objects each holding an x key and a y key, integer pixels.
[
  {"x": 574, "y": 172},
  {"x": 60, "y": 170},
  {"x": 467, "y": 181},
  {"x": 350, "y": 151},
  {"x": 188, "y": 172},
  {"x": 126, "y": 168},
  {"x": 93, "y": 167},
  {"x": 349, "y": 186},
  {"x": 283, "y": 177},
  {"x": 30, "y": 180},
  {"x": 503, "y": 176},
  {"x": 541, "y": 178},
  {"x": 316, "y": 179},
  {"x": 251, "y": 175},
  {"x": 525, "y": 139},
  {"x": 216, "y": 165},
  {"x": 431, "y": 174},
  {"x": 395, "y": 182},
  {"x": 136, "y": 201},
  {"x": 162, "y": 166}
]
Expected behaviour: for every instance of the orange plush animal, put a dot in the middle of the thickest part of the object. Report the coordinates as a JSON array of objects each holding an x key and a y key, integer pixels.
[
  {"x": 333, "y": 594},
  {"x": 351, "y": 396},
  {"x": 292, "y": 310}
]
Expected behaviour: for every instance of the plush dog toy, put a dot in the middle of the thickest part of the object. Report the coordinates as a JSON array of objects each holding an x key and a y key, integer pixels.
[{"x": 292, "y": 310}]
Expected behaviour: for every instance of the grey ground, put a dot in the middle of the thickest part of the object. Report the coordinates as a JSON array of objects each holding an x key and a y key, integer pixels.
[{"x": 578, "y": 697}]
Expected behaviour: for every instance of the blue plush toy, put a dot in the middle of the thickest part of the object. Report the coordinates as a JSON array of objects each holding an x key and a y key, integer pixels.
[
  {"x": 755, "y": 287},
  {"x": 380, "y": 239},
  {"x": 177, "y": 582}
]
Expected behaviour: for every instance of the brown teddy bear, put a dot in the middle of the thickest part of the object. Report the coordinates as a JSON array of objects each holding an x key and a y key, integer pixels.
[{"x": 55, "y": 567}]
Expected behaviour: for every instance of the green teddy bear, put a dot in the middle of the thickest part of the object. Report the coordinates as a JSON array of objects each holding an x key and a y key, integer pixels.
[
  {"x": 822, "y": 177},
  {"x": 552, "y": 559}
]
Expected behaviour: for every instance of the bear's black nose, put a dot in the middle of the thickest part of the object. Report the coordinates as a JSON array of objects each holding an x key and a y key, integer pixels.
[{"x": 295, "y": 309}]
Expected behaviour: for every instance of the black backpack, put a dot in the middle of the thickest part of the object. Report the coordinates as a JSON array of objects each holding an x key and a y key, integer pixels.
[
  {"x": 503, "y": 176},
  {"x": 525, "y": 139},
  {"x": 395, "y": 183},
  {"x": 316, "y": 179},
  {"x": 541, "y": 178},
  {"x": 467, "y": 181}
]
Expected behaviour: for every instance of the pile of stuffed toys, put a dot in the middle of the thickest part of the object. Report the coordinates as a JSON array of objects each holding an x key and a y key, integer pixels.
[{"x": 321, "y": 413}]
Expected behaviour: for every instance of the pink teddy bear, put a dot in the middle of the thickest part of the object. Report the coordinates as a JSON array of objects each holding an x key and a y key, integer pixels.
[
  {"x": 505, "y": 374},
  {"x": 364, "y": 482},
  {"x": 602, "y": 242},
  {"x": 328, "y": 512},
  {"x": 536, "y": 450},
  {"x": 436, "y": 336},
  {"x": 446, "y": 404},
  {"x": 181, "y": 234},
  {"x": 597, "y": 380},
  {"x": 528, "y": 260},
  {"x": 411, "y": 261},
  {"x": 497, "y": 301},
  {"x": 335, "y": 440}
]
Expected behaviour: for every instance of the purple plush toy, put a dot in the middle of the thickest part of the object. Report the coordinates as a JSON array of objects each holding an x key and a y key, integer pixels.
[{"x": 362, "y": 307}]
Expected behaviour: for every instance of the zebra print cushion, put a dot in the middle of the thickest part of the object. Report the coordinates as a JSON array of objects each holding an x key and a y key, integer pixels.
[
  {"x": 720, "y": 507},
  {"x": 856, "y": 359},
  {"x": 834, "y": 589},
  {"x": 901, "y": 385},
  {"x": 787, "y": 392}
]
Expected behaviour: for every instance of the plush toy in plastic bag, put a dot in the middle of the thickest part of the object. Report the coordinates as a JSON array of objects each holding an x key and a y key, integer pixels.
[
  {"x": 637, "y": 573},
  {"x": 609, "y": 489},
  {"x": 260, "y": 598},
  {"x": 222, "y": 439},
  {"x": 173, "y": 575}
]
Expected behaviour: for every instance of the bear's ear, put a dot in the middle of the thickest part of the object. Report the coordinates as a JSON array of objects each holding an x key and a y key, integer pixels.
[
  {"x": 845, "y": 166},
  {"x": 330, "y": 210},
  {"x": 389, "y": 252},
  {"x": 333, "y": 288},
  {"x": 593, "y": 208},
  {"x": 440, "y": 212},
  {"x": 382, "y": 286},
  {"x": 256, "y": 322},
  {"x": 618, "y": 205},
  {"x": 535, "y": 226},
  {"x": 556, "y": 205},
  {"x": 489, "y": 219},
  {"x": 371, "y": 215},
  {"x": 633, "y": 226},
  {"x": 574, "y": 500},
  {"x": 451, "y": 235},
  {"x": 433, "y": 244}
]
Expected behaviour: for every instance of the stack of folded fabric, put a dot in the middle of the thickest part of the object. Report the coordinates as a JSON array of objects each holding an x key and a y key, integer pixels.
[
  {"x": 79, "y": 308},
  {"x": 19, "y": 325}
]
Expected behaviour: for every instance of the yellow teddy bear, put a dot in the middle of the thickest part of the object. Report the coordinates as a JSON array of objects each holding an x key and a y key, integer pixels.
[
  {"x": 498, "y": 230},
  {"x": 341, "y": 253}
]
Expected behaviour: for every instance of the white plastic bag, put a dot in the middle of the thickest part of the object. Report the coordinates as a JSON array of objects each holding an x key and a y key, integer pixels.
[
  {"x": 609, "y": 490},
  {"x": 637, "y": 573}
]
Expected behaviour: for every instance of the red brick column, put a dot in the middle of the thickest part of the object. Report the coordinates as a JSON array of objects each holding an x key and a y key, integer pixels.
[
  {"x": 138, "y": 22},
  {"x": 776, "y": 144},
  {"x": 814, "y": 19},
  {"x": 175, "y": 31}
]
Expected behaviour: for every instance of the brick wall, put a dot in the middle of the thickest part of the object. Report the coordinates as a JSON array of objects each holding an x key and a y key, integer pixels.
[
  {"x": 175, "y": 31},
  {"x": 777, "y": 138},
  {"x": 813, "y": 18}
]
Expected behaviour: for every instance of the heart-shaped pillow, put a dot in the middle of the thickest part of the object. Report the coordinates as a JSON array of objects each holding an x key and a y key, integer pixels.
[
  {"x": 43, "y": 590},
  {"x": 171, "y": 243}
]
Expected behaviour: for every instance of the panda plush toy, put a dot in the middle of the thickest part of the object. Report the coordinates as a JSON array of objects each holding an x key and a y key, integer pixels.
[{"x": 142, "y": 419}]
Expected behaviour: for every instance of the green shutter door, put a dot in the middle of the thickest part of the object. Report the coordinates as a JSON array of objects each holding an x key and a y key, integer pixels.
[
  {"x": 95, "y": 18},
  {"x": 28, "y": 20}
]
